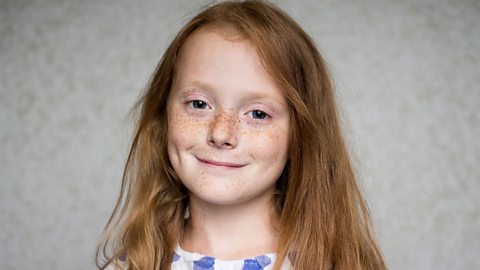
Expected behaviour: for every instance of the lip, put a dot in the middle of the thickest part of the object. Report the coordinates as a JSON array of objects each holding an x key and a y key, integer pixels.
[{"x": 221, "y": 164}]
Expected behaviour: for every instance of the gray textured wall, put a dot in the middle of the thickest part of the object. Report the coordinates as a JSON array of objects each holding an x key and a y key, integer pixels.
[{"x": 407, "y": 74}]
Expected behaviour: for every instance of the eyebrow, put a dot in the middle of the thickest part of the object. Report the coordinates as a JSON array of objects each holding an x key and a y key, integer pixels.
[{"x": 199, "y": 84}]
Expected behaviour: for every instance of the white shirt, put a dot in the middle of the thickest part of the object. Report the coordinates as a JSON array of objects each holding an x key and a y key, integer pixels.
[{"x": 184, "y": 260}]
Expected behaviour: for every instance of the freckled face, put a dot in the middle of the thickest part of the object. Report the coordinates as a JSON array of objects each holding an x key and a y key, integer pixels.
[{"x": 228, "y": 121}]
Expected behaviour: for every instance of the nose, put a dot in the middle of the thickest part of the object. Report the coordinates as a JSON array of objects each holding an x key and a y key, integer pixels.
[{"x": 223, "y": 131}]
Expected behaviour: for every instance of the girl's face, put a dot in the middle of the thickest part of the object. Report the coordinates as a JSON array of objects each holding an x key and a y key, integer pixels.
[{"x": 228, "y": 122}]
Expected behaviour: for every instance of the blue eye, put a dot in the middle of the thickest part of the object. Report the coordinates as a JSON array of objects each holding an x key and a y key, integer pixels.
[
  {"x": 199, "y": 104},
  {"x": 257, "y": 114}
]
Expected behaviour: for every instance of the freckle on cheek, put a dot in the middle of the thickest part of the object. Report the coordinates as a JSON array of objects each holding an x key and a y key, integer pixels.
[{"x": 178, "y": 120}]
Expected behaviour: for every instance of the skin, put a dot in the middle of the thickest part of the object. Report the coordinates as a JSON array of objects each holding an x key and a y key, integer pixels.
[{"x": 228, "y": 142}]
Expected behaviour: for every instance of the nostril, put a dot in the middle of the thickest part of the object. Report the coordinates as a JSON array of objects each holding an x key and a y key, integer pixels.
[
  {"x": 212, "y": 141},
  {"x": 219, "y": 143}
]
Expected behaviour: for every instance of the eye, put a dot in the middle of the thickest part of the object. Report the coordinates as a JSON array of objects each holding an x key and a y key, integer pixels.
[
  {"x": 258, "y": 114},
  {"x": 199, "y": 104}
]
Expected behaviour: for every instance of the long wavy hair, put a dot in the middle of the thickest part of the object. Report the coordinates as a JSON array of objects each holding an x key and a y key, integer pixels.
[{"x": 324, "y": 221}]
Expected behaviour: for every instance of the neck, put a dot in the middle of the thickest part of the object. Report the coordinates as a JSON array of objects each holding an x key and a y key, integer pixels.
[{"x": 230, "y": 231}]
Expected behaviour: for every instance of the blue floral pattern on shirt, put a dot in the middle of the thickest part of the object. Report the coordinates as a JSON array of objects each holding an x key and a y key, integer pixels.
[
  {"x": 176, "y": 257},
  {"x": 208, "y": 263},
  {"x": 205, "y": 263},
  {"x": 263, "y": 260}
]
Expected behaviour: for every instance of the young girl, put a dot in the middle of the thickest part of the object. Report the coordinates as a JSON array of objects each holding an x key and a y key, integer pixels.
[{"x": 238, "y": 161}]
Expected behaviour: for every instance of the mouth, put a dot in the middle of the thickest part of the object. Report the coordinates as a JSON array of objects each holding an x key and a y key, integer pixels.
[{"x": 220, "y": 164}]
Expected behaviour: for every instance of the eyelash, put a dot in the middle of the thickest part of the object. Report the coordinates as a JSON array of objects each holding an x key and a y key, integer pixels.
[{"x": 202, "y": 105}]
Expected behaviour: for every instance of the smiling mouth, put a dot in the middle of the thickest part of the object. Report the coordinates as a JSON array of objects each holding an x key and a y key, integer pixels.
[{"x": 220, "y": 164}]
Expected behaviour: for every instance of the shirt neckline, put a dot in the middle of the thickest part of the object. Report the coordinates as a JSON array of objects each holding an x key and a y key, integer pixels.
[{"x": 195, "y": 256}]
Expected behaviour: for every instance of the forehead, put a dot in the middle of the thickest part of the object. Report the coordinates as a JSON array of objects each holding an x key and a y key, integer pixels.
[
  {"x": 223, "y": 60},
  {"x": 208, "y": 36}
]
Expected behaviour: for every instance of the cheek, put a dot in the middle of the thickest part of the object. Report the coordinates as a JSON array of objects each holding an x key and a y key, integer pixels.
[
  {"x": 182, "y": 129},
  {"x": 270, "y": 146}
]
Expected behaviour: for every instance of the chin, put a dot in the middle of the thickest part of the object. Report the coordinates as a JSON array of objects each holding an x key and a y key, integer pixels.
[{"x": 219, "y": 197}]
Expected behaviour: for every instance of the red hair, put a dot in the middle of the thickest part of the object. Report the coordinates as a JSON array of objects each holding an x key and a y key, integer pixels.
[{"x": 324, "y": 221}]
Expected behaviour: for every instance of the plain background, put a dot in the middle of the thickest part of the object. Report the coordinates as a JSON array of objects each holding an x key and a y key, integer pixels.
[{"x": 407, "y": 76}]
